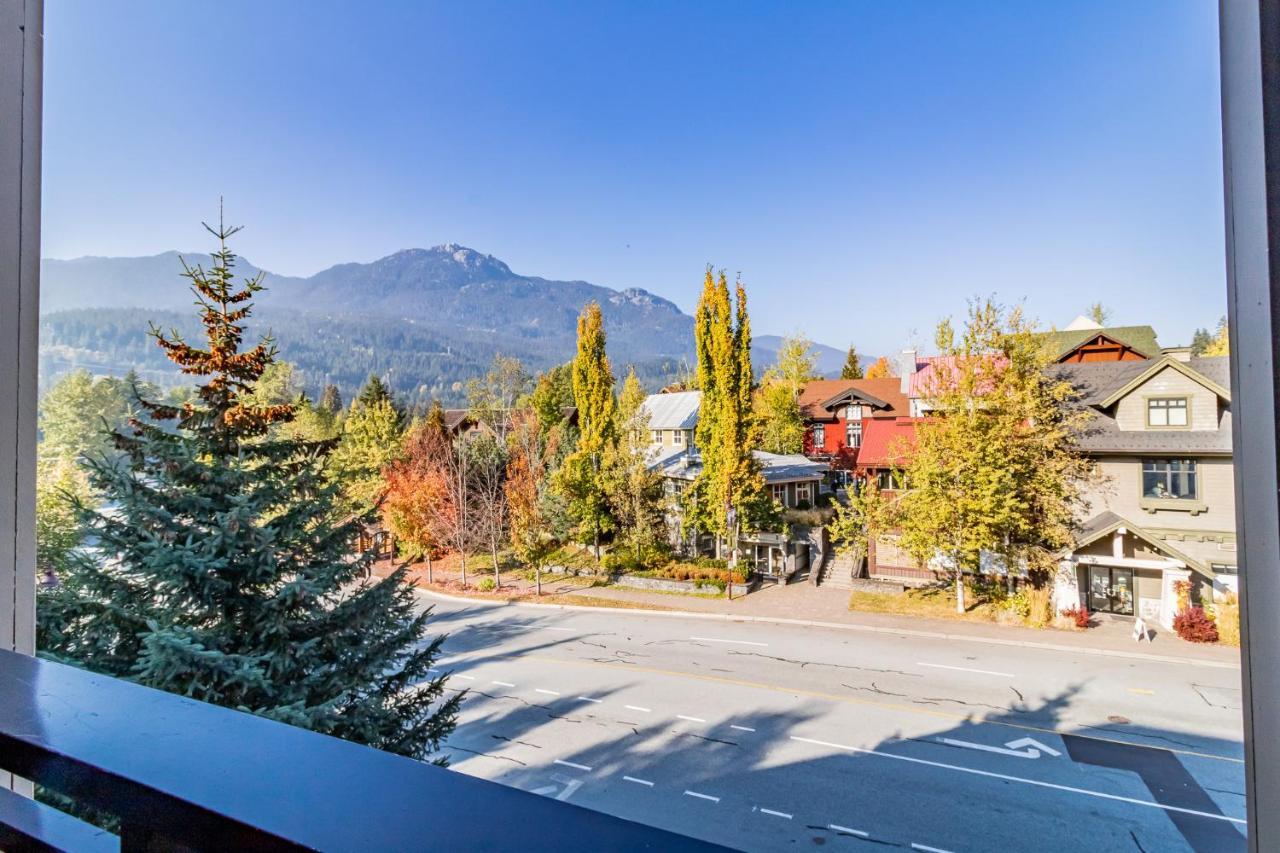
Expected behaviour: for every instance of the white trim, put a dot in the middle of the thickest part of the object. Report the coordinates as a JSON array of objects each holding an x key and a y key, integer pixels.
[{"x": 1130, "y": 562}]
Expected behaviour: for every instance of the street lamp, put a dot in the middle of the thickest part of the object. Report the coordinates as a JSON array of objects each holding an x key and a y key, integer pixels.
[{"x": 731, "y": 517}]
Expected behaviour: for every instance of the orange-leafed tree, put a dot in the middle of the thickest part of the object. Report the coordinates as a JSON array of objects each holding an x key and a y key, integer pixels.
[{"x": 417, "y": 502}]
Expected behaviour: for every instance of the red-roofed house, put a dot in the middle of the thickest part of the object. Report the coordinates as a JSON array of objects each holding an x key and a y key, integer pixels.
[{"x": 837, "y": 413}]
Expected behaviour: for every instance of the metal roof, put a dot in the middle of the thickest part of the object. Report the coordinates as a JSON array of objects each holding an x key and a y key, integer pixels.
[{"x": 678, "y": 410}]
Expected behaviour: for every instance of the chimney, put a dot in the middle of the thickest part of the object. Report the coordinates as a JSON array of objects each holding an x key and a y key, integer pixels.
[{"x": 906, "y": 368}]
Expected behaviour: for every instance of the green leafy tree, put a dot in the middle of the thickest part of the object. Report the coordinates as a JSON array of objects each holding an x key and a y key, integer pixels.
[
  {"x": 538, "y": 520},
  {"x": 77, "y": 415},
  {"x": 635, "y": 492},
  {"x": 223, "y": 571},
  {"x": 580, "y": 479},
  {"x": 371, "y": 439},
  {"x": 727, "y": 430},
  {"x": 996, "y": 470},
  {"x": 777, "y": 403},
  {"x": 331, "y": 400},
  {"x": 552, "y": 394},
  {"x": 852, "y": 366}
]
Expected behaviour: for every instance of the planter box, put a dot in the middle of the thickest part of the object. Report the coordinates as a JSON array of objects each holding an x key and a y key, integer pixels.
[{"x": 689, "y": 587}]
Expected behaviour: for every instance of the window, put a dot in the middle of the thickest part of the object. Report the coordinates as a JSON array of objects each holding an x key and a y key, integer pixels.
[
  {"x": 804, "y": 493},
  {"x": 677, "y": 437},
  {"x": 1169, "y": 479},
  {"x": 853, "y": 434},
  {"x": 853, "y": 413},
  {"x": 1224, "y": 569},
  {"x": 657, "y": 436},
  {"x": 819, "y": 436},
  {"x": 888, "y": 480},
  {"x": 1167, "y": 412},
  {"x": 779, "y": 494}
]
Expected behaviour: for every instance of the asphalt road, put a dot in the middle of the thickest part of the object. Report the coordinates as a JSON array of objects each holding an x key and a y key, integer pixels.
[{"x": 769, "y": 737}]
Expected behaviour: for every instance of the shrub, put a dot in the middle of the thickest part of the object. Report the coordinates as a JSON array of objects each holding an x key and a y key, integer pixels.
[
  {"x": 824, "y": 499},
  {"x": 1078, "y": 615},
  {"x": 1039, "y": 606},
  {"x": 1195, "y": 626},
  {"x": 487, "y": 585},
  {"x": 1227, "y": 618},
  {"x": 803, "y": 505}
]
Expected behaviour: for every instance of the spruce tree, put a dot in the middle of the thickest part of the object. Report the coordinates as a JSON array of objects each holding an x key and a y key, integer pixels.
[
  {"x": 852, "y": 366},
  {"x": 223, "y": 568}
]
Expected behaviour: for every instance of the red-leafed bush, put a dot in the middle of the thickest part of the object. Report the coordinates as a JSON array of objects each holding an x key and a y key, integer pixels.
[
  {"x": 1195, "y": 626},
  {"x": 1078, "y": 614}
]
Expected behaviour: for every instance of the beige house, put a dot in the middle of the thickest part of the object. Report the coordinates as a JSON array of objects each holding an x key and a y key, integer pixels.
[{"x": 1164, "y": 507}]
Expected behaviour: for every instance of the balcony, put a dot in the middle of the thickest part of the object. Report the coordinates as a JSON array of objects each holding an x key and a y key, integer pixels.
[{"x": 187, "y": 775}]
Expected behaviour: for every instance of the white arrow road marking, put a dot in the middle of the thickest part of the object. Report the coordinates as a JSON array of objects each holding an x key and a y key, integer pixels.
[
  {"x": 1020, "y": 779},
  {"x": 1022, "y": 748},
  {"x": 1034, "y": 744},
  {"x": 570, "y": 785},
  {"x": 544, "y": 790}
]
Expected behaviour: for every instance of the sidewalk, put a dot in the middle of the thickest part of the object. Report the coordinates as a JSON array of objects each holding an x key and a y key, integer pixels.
[{"x": 806, "y": 604}]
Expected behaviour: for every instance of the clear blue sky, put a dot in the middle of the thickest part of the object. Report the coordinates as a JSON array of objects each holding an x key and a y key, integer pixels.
[{"x": 865, "y": 166}]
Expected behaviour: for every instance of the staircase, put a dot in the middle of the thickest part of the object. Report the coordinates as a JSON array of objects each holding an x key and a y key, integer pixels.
[{"x": 837, "y": 570}]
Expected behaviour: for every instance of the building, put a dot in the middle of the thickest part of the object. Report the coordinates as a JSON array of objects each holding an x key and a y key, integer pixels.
[
  {"x": 1164, "y": 507},
  {"x": 836, "y": 413},
  {"x": 792, "y": 480},
  {"x": 1085, "y": 341},
  {"x": 885, "y": 448}
]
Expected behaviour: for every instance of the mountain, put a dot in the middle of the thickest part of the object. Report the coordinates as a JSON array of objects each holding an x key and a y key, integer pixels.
[
  {"x": 828, "y": 361},
  {"x": 431, "y": 318}
]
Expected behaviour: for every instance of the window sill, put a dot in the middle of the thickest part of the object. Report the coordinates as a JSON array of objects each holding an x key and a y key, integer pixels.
[{"x": 1153, "y": 505}]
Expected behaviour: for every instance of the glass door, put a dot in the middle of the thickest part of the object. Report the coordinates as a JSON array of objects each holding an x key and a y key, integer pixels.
[
  {"x": 1099, "y": 588},
  {"x": 1122, "y": 591}
]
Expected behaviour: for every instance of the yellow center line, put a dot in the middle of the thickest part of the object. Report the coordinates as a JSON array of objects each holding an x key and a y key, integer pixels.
[{"x": 854, "y": 700}]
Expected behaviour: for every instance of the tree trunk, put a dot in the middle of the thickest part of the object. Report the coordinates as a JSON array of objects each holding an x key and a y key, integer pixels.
[
  {"x": 597, "y": 542},
  {"x": 497, "y": 578},
  {"x": 431, "y": 578},
  {"x": 464, "y": 569},
  {"x": 537, "y": 573},
  {"x": 960, "y": 591}
]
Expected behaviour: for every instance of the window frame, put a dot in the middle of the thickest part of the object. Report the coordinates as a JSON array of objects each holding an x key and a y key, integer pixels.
[
  {"x": 1153, "y": 401},
  {"x": 818, "y": 436},
  {"x": 1193, "y": 473},
  {"x": 853, "y": 433}
]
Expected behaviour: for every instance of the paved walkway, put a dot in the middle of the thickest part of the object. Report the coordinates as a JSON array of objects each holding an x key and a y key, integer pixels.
[{"x": 805, "y": 603}]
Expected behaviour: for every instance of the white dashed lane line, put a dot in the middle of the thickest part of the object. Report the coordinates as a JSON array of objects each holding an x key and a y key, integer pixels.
[
  {"x": 644, "y": 782},
  {"x": 716, "y": 640},
  {"x": 741, "y": 728},
  {"x": 574, "y": 765},
  {"x": 502, "y": 683},
  {"x": 835, "y": 827},
  {"x": 459, "y": 675},
  {"x": 966, "y": 669},
  {"x": 924, "y": 848},
  {"x": 561, "y": 630},
  {"x": 589, "y": 699},
  {"x": 775, "y": 814},
  {"x": 691, "y": 719},
  {"x": 702, "y": 796},
  {"x": 638, "y": 708},
  {"x": 547, "y": 692}
]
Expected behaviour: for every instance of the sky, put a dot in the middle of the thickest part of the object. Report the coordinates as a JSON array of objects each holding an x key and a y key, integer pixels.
[{"x": 866, "y": 167}]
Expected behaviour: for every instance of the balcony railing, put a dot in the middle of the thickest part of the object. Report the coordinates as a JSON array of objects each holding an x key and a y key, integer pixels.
[{"x": 185, "y": 774}]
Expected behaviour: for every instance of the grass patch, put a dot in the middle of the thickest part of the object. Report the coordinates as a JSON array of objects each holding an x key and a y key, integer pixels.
[{"x": 932, "y": 602}]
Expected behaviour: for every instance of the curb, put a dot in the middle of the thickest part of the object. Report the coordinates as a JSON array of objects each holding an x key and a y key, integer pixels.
[{"x": 841, "y": 626}]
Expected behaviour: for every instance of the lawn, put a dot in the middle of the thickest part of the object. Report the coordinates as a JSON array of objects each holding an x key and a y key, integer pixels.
[{"x": 934, "y": 602}]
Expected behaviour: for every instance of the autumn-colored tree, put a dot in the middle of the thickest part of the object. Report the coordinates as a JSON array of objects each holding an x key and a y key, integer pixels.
[
  {"x": 852, "y": 365},
  {"x": 531, "y": 503},
  {"x": 726, "y": 431},
  {"x": 580, "y": 479},
  {"x": 995, "y": 472},
  {"x": 492, "y": 399},
  {"x": 417, "y": 494},
  {"x": 1220, "y": 344},
  {"x": 880, "y": 369}
]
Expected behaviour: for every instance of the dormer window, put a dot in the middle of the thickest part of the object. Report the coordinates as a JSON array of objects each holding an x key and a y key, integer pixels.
[
  {"x": 657, "y": 436},
  {"x": 1167, "y": 412},
  {"x": 677, "y": 437}
]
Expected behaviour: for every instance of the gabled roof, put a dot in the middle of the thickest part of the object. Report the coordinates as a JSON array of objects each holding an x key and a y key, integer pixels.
[
  {"x": 1140, "y": 339},
  {"x": 884, "y": 442},
  {"x": 677, "y": 410},
  {"x": 775, "y": 468},
  {"x": 819, "y": 398},
  {"x": 1107, "y": 522},
  {"x": 1154, "y": 367}
]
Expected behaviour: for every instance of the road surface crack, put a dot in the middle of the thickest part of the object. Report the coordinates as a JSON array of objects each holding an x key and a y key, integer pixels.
[
  {"x": 708, "y": 739},
  {"x": 1017, "y": 693},
  {"x": 525, "y": 702},
  {"x": 804, "y": 663},
  {"x": 874, "y": 688},
  {"x": 513, "y": 740},
  {"x": 488, "y": 755},
  {"x": 1136, "y": 842},
  {"x": 1112, "y": 729}
]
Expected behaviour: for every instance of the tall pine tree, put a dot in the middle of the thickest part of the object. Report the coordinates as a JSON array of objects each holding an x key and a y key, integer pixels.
[
  {"x": 223, "y": 568},
  {"x": 852, "y": 365}
]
